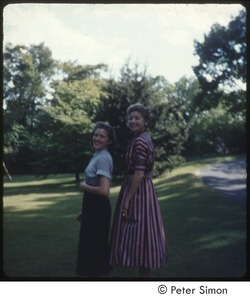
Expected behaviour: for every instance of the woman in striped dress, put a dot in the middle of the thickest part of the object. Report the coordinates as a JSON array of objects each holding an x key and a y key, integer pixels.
[{"x": 138, "y": 237}]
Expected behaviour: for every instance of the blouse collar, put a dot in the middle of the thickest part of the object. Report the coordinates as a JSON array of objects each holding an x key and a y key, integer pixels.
[{"x": 100, "y": 151}]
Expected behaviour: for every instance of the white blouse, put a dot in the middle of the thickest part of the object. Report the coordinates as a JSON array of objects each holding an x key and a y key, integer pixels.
[{"x": 101, "y": 164}]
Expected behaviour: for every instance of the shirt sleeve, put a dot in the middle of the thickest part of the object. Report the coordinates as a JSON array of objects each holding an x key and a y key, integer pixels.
[
  {"x": 104, "y": 167},
  {"x": 140, "y": 155}
]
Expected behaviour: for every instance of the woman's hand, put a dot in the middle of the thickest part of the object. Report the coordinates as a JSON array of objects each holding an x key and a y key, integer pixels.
[
  {"x": 125, "y": 214},
  {"x": 82, "y": 186},
  {"x": 99, "y": 190},
  {"x": 125, "y": 210},
  {"x": 134, "y": 186}
]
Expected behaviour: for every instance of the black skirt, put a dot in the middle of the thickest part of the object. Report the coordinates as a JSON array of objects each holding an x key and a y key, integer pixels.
[{"x": 93, "y": 248}]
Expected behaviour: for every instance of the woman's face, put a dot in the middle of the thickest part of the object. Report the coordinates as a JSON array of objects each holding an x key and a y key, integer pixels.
[
  {"x": 136, "y": 122},
  {"x": 100, "y": 139}
]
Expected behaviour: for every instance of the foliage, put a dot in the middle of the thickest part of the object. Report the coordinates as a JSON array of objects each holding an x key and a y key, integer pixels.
[
  {"x": 26, "y": 74},
  {"x": 171, "y": 118},
  {"x": 219, "y": 123},
  {"x": 216, "y": 132},
  {"x": 168, "y": 127},
  {"x": 132, "y": 86},
  {"x": 222, "y": 66},
  {"x": 50, "y": 107},
  {"x": 69, "y": 116}
]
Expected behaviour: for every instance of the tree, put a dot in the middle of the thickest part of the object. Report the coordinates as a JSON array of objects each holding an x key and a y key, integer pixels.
[
  {"x": 171, "y": 121},
  {"x": 69, "y": 116},
  {"x": 26, "y": 75},
  {"x": 222, "y": 66},
  {"x": 168, "y": 126},
  {"x": 215, "y": 132},
  {"x": 133, "y": 85}
]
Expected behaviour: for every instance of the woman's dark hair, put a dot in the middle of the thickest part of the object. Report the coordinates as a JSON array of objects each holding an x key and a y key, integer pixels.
[
  {"x": 111, "y": 134},
  {"x": 143, "y": 110}
]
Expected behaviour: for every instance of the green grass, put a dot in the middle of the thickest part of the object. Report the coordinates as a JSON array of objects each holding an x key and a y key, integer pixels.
[{"x": 206, "y": 232}]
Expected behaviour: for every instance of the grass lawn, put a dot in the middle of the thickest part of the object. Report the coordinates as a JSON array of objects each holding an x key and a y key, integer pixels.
[{"x": 206, "y": 231}]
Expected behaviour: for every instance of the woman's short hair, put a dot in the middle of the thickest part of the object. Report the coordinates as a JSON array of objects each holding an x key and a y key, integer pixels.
[
  {"x": 143, "y": 110},
  {"x": 111, "y": 134}
]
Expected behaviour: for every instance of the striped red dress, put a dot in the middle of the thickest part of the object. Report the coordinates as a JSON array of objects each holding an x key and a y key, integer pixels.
[{"x": 141, "y": 240}]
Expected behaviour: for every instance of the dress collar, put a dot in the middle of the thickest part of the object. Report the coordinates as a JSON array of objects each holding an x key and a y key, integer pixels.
[{"x": 139, "y": 133}]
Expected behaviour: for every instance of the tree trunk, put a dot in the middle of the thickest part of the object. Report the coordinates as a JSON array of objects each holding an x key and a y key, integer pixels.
[{"x": 77, "y": 177}]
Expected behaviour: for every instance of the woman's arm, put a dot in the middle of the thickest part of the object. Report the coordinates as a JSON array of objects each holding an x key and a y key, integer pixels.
[
  {"x": 135, "y": 183},
  {"x": 100, "y": 190}
]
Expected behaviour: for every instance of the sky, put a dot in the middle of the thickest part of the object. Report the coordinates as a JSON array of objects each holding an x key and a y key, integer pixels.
[{"x": 158, "y": 37}]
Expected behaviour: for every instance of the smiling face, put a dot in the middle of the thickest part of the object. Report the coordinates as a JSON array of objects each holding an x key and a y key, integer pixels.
[
  {"x": 136, "y": 122},
  {"x": 100, "y": 139}
]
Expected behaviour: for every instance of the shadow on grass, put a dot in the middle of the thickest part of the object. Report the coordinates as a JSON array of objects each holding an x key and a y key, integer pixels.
[
  {"x": 40, "y": 232},
  {"x": 206, "y": 232},
  {"x": 39, "y": 187}
]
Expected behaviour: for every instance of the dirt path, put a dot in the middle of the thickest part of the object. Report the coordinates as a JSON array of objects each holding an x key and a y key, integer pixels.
[{"x": 227, "y": 177}]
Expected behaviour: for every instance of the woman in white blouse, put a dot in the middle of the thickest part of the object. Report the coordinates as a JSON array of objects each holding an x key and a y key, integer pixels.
[{"x": 93, "y": 248}]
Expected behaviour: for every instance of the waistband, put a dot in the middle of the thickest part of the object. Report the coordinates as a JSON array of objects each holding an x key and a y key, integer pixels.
[{"x": 145, "y": 173}]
